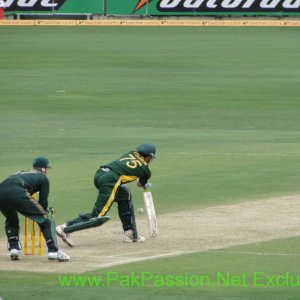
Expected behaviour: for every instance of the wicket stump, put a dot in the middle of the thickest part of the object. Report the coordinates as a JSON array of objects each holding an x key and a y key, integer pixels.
[
  {"x": 32, "y": 235},
  {"x": 33, "y": 238}
]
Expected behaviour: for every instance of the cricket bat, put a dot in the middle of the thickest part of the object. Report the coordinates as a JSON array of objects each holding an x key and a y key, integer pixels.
[{"x": 151, "y": 215}]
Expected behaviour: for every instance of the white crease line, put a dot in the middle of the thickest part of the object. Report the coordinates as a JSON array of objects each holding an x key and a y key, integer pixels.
[
  {"x": 125, "y": 254},
  {"x": 143, "y": 258},
  {"x": 111, "y": 256},
  {"x": 257, "y": 253}
]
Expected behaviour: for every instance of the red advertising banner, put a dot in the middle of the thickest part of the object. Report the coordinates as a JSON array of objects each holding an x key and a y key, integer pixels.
[{"x": 1, "y": 9}]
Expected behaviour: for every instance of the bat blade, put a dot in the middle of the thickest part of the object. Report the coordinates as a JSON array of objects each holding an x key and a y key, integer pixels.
[{"x": 151, "y": 215}]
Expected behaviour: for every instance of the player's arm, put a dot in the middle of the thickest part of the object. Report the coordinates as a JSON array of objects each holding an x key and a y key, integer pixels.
[
  {"x": 44, "y": 192},
  {"x": 139, "y": 184},
  {"x": 142, "y": 182}
]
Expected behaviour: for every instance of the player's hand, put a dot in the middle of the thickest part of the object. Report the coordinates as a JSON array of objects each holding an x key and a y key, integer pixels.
[
  {"x": 51, "y": 210},
  {"x": 139, "y": 184}
]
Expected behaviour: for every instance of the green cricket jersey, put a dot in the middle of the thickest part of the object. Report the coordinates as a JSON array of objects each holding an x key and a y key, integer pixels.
[
  {"x": 130, "y": 166},
  {"x": 33, "y": 181}
]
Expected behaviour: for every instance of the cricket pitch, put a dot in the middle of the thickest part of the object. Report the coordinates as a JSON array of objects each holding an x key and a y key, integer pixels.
[{"x": 212, "y": 228}]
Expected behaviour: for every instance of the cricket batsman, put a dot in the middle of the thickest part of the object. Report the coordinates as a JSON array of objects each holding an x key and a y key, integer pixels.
[
  {"x": 110, "y": 180},
  {"x": 16, "y": 196}
]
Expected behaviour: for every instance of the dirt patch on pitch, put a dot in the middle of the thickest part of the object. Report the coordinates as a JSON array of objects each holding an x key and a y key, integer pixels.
[{"x": 180, "y": 233}]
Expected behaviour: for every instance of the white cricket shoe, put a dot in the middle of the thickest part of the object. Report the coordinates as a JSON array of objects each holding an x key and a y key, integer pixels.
[
  {"x": 14, "y": 254},
  {"x": 64, "y": 236},
  {"x": 128, "y": 237},
  {"x": 59, "y": 255}
]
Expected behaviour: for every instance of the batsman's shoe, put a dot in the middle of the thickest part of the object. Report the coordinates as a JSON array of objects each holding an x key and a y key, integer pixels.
[
  {"x": 64, "y": 236},
  {"x": 59, "y": 255},
  {"x": 129, "y": 238},
  {"x": 14, "y": 254}
]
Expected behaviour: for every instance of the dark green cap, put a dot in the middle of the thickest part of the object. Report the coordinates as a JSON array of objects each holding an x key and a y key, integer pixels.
[
  {"x": 41, "y": 162},
  {"x": 147, "y": 149}
]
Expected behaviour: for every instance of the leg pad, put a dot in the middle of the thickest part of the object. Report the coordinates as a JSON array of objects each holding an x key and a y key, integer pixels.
[{"x": 93, "y": 222}]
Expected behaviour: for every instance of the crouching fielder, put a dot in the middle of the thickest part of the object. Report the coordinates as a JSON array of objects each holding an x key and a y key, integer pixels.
[
  {"x": 110, "y": 180},
  {"x": 16, "y": 196}
]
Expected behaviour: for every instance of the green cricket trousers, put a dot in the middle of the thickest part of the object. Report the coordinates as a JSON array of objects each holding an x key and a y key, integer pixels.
[{"x": 110, "y": 189}]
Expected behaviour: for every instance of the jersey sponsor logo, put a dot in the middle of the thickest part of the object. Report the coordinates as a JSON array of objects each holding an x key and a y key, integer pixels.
[
  {"x": 33, "y": 5},
  {"x": 228, "y": 5},
  {"x": 223, "y": 5}
]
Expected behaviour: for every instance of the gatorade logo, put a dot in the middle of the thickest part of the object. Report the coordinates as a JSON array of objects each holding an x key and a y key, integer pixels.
[
  {"x": 223, "y": 5},
  {"x": 140, "y": 4},
  {"x": 33, "y": 5},
  {"x": 228, "y": 5}
]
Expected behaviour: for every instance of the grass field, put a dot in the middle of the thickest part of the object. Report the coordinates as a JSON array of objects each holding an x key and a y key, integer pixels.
[{"x": 221, "y": 104}]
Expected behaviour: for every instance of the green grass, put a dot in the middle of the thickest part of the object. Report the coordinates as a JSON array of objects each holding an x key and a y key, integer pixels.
[
  {"x": 221, "y": 104},
  {"x": 243, "y": 272},
  {"x": 223, "y": 110}
]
